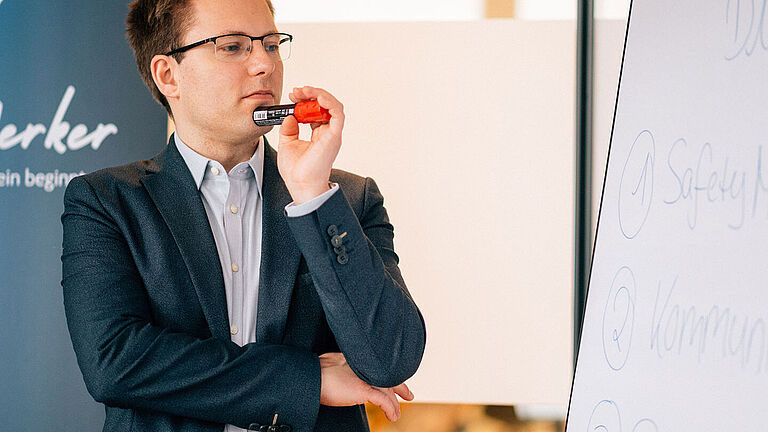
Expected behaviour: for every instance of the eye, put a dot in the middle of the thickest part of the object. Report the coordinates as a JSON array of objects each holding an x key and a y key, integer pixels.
[
  {"x": 230, "y": 47},
  {"x": 272, "y": 43},
  {"x": 271, "y": 47}
]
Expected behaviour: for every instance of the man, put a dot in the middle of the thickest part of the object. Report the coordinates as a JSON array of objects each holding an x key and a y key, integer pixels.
[{"x": 221, "y": 285}]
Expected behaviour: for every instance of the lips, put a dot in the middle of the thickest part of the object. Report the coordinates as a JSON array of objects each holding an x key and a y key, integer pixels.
[{"x": 260, "y": 94}]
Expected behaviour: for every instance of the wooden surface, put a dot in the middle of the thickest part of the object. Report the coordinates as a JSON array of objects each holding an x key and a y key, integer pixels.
[{"x": 499, "y": 8}]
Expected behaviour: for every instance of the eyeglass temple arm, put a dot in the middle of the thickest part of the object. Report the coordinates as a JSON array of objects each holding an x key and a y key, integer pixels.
[{"x": 190, "y": 46}]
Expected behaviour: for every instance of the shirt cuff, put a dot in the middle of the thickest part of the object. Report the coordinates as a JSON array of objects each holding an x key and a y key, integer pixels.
[{"x": 308, "y": 207}]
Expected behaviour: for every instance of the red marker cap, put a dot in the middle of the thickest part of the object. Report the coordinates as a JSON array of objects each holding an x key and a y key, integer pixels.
[{"x": 311, "y": 112}]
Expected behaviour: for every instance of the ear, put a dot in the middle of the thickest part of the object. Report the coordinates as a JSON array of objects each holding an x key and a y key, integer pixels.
[{"x": 164, "y": 69}]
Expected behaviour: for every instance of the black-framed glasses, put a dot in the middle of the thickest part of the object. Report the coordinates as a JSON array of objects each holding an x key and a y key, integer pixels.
[{"x": 235, "y": 48}]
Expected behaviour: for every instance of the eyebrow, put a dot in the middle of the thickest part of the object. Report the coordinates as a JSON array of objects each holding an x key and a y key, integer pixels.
[{"x": 230, "y": 31}]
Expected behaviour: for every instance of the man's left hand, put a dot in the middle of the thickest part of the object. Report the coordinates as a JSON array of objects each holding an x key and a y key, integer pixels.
[
  {"x": 305, "y": 166},
  {"x": 341, "y": 387}
]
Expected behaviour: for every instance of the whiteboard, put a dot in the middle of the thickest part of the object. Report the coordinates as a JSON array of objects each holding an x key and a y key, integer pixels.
[{"x": 675, "y": 335}]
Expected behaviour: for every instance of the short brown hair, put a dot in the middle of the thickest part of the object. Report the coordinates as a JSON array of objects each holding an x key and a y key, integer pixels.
[{"x": 156, "y": 27}]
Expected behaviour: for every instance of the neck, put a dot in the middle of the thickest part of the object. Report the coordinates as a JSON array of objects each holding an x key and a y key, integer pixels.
[{"x": 228, "y": 154}]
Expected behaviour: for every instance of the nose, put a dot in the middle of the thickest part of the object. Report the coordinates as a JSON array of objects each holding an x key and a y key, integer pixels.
[{"x": 259, "y": 62}]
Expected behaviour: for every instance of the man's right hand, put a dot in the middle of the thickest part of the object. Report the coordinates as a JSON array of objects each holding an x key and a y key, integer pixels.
[{"x": 341, "y": 387}]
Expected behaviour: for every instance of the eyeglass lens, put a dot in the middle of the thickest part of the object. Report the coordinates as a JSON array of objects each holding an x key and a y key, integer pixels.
[{"x": 238, "y": 48}]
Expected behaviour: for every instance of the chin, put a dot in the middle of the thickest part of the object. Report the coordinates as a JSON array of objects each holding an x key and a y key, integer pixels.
[
  {"x": 257, "y": 131},
  {"x": 263, "y": 130}
]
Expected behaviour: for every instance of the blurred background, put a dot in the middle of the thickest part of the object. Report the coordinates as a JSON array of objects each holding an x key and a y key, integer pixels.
[{"x": 476, "y": 102}]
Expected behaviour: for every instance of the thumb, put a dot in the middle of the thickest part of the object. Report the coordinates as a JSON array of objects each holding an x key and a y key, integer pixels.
[{"x": 289, "y": 130}]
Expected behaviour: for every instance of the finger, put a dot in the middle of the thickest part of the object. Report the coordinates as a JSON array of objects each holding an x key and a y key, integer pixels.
[
  {"x": 327, "y": 98},
  {"x": 335, "y": 108},
  {"x": 391, "y": 394},
  {"x": 302, "y": 93},
  {"x": 333, "y": 355},
  {"x": 332, "y": 359},
  {"x": 383, "y": 401},
  {"x": 403, "y": 391},
  {"x": 330, "y": 103},
  {"x": 289, "y": 129},
  {"x": 297, "y": 95},
  {"x": 324, "y": 98}
]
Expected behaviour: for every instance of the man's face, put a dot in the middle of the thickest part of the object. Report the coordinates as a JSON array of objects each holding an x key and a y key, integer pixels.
[{"x": 217, "y": 98}]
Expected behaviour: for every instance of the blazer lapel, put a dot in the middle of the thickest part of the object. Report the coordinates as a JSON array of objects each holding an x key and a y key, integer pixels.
[
  {"x": 279, "y": 255},
  {"x": 173, "y": 191}
]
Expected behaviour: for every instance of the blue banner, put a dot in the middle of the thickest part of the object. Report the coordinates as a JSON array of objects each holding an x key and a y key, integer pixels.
[{"x": 71, "y": 101}]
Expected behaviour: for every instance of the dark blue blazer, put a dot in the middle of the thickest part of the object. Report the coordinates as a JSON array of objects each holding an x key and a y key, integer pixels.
[{"x": 146, "y": 309}]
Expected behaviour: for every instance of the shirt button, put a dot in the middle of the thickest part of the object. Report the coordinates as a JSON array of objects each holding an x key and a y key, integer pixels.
[
  {"x": 233, "y": 330},
  {"x": 215, "y": 171},
  {"x": 235, "y": 268},
  {"x": 233, "y": 209}
]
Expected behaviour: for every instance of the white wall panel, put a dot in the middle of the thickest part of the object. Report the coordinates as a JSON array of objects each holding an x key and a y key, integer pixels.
[
  {"x": 313, "y": 11},
  {"x": 566, "y": 9},
  {"x": 545, "y": 9}
]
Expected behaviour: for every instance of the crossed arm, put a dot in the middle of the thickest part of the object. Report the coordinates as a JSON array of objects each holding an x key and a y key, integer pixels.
[
  {"x": 373, "y": 317},
  {"x": 367, "y": 305}
]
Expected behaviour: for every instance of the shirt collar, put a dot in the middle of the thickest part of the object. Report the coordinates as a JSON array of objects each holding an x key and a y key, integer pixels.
[{"x": 197, "y": 163}]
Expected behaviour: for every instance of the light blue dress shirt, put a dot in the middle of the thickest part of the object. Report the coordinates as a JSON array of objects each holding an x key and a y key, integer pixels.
[{"x": 233, "y": 204}]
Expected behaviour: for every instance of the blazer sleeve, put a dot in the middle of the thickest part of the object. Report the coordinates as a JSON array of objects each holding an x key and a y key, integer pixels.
[
  {"x": 355, "y": 271},
  {"x": 129, "y": 362}
]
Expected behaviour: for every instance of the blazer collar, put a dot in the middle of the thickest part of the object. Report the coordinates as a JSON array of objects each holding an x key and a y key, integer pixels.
[
  {"x": 279, "y": 255},
  {"x": 176, "y": 196}
]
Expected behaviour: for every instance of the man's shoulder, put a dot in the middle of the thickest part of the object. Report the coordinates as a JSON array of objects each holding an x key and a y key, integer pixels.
[
  {"x": 122, "y": 177},
  {"x": 129, "y": 174}
]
